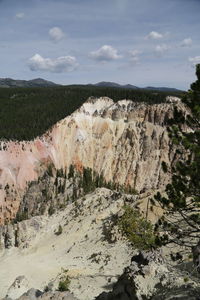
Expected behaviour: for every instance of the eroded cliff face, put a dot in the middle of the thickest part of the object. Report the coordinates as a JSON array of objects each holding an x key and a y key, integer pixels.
[{"x": 125, "y": 141}]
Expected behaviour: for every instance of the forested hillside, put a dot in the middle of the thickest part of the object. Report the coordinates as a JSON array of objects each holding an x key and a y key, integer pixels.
[{"x": 26, "y": 113}]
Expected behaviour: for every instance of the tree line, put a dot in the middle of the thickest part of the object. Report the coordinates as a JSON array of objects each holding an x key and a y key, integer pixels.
[{"x": 26, "y": 113}]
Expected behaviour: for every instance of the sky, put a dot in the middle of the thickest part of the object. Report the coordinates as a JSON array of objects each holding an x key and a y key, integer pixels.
[{"x": 140, "y": 42}]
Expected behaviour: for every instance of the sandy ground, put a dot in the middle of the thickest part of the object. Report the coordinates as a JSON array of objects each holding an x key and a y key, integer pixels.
[{"x": 47, "y": 254}]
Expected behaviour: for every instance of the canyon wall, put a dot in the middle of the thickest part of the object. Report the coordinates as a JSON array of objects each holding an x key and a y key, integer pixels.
[{"x": 125, "y": 141}]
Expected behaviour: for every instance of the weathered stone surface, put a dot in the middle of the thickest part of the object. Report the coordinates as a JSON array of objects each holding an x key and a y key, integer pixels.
[
  {"x": 149, "y": 277},
  {"x": 20, "y": 234},
  {"x": 57, "y": 296},
  {"x": 34, "y": 294},
  {"x": 19, "y": 286},
  {"x": 184, "y": 292},
  {"x": 31, "y": 294},
  {"x": 124, "y": 289},
  {"x": 37, "y": 295}
]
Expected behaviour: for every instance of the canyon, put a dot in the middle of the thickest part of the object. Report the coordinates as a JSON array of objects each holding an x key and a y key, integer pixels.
[{"x": 126, "y": 142}]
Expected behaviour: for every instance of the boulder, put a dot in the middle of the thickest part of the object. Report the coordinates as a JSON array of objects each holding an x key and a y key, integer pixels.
[{"x": 18, "y": 287}]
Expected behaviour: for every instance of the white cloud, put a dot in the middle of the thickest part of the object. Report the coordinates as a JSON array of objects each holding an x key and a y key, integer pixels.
[
  {"x": 161, "y": 49},
  {"x": 56, "y": 34},
  {"x": 134, "y": 52},
  {"x": 186, "y": 42},
  {"x": 20, "y": 15},
  {"x": 105, "y": 53},
  {"x": 58, "y": 65},
  {"x": 154, "y": 35},
  {"x": 134, "y": 56},
  {"x": 194, "y": 60}
]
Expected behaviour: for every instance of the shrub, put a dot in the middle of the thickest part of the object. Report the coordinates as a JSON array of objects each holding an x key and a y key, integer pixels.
[
  {"x": 64, "y": 284},
  {"x": 60, "y": 230},
  {"x": 164, "y": 167},
  {"x": 137, "y": 229},
  {"x": 50, "y": 170},
  {"x": 21, "y": 216},
  {"x": 71, "y": 172},
  {"x": 51, "y": 210}
]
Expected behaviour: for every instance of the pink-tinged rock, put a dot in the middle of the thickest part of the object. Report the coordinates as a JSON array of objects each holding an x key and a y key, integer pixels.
[{"x": 125, "y": 141}]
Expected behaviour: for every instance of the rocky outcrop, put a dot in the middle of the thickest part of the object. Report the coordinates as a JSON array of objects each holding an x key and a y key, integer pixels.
[
  {"x": 149, "y": 277},
  {"x": 20, "y": 234},
  {"x": 124, "y": 289},
  {"x": 34, "y": 294},
  {"x": 125, "y": 141}
]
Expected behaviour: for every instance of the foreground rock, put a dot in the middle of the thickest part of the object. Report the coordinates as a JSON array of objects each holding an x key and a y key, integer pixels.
[
  {"x": 34, "y": 294},
  {"x": 83, "y": 250},
  {"x": 82, "y": 242},
  {"x": 18, "y": 287},
  {"x": 124, "y": 289},
  {"x": 149, "y": 277}
]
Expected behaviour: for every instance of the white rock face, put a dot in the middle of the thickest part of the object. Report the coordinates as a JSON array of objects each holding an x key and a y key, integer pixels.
[
  {"x": 125, "y": 141},
  {"x": 170, "y": 99}
]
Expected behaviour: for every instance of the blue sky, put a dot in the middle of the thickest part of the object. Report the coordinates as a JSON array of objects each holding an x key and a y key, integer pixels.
[{"x": 141, "y": 42}]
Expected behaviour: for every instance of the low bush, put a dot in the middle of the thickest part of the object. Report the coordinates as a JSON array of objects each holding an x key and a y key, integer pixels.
[
  {"x": 59, "y": 231},
  {"x": 64, "y": 284},
  {"x": 137, "y": 229}
]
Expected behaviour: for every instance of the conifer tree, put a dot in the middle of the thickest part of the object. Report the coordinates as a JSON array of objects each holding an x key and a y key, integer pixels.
[{"x": 182, "y": 200}]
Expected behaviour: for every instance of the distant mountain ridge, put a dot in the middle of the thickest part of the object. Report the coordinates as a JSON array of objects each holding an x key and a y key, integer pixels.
[
  {"x": 38, "y": 82},
  {"x": 114, "y": 84},
  {"x": 130, "y": 86},
  {"x": 162, "y": 88}
]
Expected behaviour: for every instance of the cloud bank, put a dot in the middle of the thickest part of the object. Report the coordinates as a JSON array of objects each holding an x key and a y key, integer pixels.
[
  {"x": 105, "y": 53},
  {"x": 161, "y": 49},
  {"x": 56, "y": 34},
  {"x": 20, "y": 15},
  {"x": 186, "y": 42},
  {"x": 58, "y": 65},
  {"x": 194, "y": 60},
  {"x": 154, "y": 35}
]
